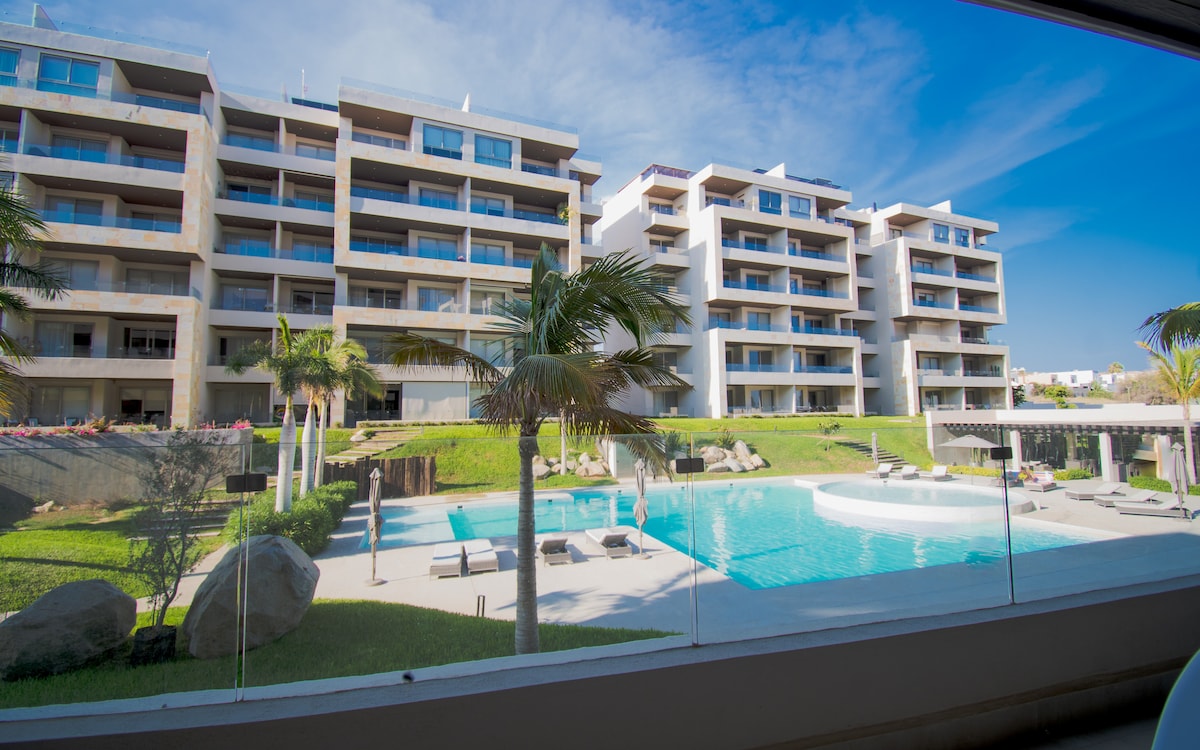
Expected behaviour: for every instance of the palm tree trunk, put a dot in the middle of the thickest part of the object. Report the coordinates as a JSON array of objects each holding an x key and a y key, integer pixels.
[
  {"x": 287, "y": 458},
  {"x": 562, "y": 443},
  {"x": 307, "y": 440},
  {"x": 527, "y": 617},
  {"x": 322, "y": 416}
]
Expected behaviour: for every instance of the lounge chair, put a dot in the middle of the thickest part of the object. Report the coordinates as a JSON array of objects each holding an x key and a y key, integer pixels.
[
  {"x": 881, "y": 471},
  {"x": 1040, "y": 481},
  {"x": 612, "y": 541},
  {"x": 554, "y": 550},
  {"x": 1108, "y": 488},
  {"x": 480, "y": 556},
  {"x": 939, "y": 473},
  {"x": 447, "y": 560},
  {"x": 908, "y": 472},
  {"x": 1141, "y": 497},
  {"x": 1171, "y": 508}
]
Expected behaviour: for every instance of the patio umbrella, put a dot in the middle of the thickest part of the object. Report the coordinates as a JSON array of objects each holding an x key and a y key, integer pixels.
[
  {"x": 641, "y": 509},
  {"x": 1177, "y": 472},
  {"x": 875, "y": 448},
  {"x": 375, "y": 519},
  {"x": 971, "y": 442}
]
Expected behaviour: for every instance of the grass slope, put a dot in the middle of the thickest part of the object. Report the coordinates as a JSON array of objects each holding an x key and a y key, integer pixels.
[{"x": 336, "y": 638}]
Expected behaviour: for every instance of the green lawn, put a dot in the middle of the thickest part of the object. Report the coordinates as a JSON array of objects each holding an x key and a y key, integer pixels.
[
  {"x": 335, "y": 639},
  {"x": 472, "y": 459}
]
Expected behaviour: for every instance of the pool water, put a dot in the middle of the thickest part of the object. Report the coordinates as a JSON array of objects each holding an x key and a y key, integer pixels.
[{"x": 762, "y": 534}]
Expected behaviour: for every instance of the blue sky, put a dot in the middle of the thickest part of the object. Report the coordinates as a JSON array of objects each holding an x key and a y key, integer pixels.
[{"x": 1084, "y": 148}]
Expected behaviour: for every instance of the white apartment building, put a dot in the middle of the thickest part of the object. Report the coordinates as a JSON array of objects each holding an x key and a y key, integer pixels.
[
  {"x": 802, "y": 304},
  {"x": 186, "y": 214}
]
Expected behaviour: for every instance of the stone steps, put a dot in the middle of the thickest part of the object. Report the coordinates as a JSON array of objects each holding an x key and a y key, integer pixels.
[{"x": 865, "y": 450}]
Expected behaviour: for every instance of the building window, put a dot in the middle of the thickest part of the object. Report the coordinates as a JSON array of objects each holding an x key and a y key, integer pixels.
[
  {"x": 312, "y": 302},
  {"x": 758, "y": 321},
  {"x": 73, "y": 210},
  {"x": 63, "y": 75},
  {"x": 437, "y": 247},
  {"x": 437, "y": 199},
  {"x": 799, "y": 207},
  {"x": 757, "y": 281},
  {"x": 246, "y": 298},
  {"x": 313, "y": 151},
  {"x": 149, "y": 343},
  {"x": 8, "y": 66},
  {"x": 494, "y": 151},
  {"x": 761, "y": 359},
  {"x": 769, "y": 202},
  {"x": 481, "y": 204},
  {"x": 78, "y": 274},
  {"x": 941, "y": 233},
  {"x": 151, "y": 281},
  {"x": 931, "y": 363},
  {"x": 922, "y": 266},
  {"x": 492, "y": 255},
  {"x": 78, "y": 149},
  {"x": 443, "y": 142},
  {"x": 756, "y": 243},
  {"x": 659, "y": 245},
  {"x": 433, "y": 299},
  {"x": 962, "y": 237},
  {"x": 720, "y": 320}
]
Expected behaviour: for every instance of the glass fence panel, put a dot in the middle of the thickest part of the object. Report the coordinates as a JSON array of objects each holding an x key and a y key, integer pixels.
[{"x": 110, "y": 535}]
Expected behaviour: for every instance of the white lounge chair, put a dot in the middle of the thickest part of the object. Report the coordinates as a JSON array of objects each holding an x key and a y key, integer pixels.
[
  {"x": 939, "y": 473},
  {"x": 612, "y": 540},
  {"x": 881, "y": 471},
  {"x": 447, "y": 560},
  {"x": 1171, "y": 508},
  {"x": 554, "y": 550},
  {"x": 480, "y": 556},
  {"x": 908, "y": 472},
  {"x": 1040, "y": 481},
  {"x": 1108, "y": 488}
]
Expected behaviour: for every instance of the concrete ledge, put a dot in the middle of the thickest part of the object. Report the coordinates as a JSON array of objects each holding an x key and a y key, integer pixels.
[{"x": 949, "y": 681}]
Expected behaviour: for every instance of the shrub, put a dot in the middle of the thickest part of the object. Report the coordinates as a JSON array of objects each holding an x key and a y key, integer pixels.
[
  {"x": 310, "y": 523},
  {"x": 978, "y": 471},
  {"x": 1063, "y": 475},
  {"x": 1149, "y": 483}
]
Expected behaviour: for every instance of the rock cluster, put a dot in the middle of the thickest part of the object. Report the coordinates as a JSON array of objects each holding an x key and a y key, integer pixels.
[
  {"x": 280, "y": 583},
  {"x": 584, "y": 466},
  {"x": 740, "y": 459},
  {"x": 65, "y": 629}
]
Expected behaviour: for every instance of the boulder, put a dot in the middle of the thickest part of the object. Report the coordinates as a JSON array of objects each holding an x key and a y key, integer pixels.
[
  {"x": 541, "y": 471},
  {"x": 746, "y": 465},
  {"x": 728, "y": 453},
  {"x": 716, "y": 468},
  {"x": 572, "y": 465},
  {"x": 712, "y": 454},
  {"x": 552, "y": 461},
  {"x": 584, "y": 459},
  {"x": 65, "y": 629},
  {"x": 734, "y": 465},
  {"x": 741, "y": 451},
  {"x": 281, "y": 580},
  {"x": 539, "y": 461},
  {"x": 757, "y": 461},
  {"x": 590, "y": 469}
]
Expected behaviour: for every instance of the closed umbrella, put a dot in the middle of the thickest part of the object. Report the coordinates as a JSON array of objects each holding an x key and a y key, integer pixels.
[
  {"x": 375, "y": 519},
  {"x": 1177, "y": 472},
  {"x": 875, "y": 448},
  {"x": 641, "y": 509}
]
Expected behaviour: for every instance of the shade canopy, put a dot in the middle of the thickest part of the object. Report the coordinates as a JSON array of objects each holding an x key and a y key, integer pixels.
[{"x": 969, "y": 441}]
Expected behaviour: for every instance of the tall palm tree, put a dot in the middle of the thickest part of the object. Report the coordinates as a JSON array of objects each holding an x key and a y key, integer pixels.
[
  {"x": 557, "y": 369},
  {"x": 21, "y": 234},
  {"x": 354, "y": 376},
  {"x": 292, "y": 361},
  {"x": 1179, "y": 325},
  {"x": 1180, "y": 373}
]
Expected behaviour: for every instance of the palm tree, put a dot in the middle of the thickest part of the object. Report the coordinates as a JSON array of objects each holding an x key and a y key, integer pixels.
[
  {"x": 292, "y": 361},
  {"x": 557, "y": 369},
  {"x": 340, "y": 365},
  {"x": 1180, "y": 373},
  {"x": 1179, "y": 325},
  {"x": 21, "y": 233}
]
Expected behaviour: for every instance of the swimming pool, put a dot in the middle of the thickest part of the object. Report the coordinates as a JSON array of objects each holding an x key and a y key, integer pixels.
[{"x": 760, "y": 533}]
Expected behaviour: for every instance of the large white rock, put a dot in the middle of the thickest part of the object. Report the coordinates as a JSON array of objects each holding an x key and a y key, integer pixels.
[
  {"x": 716, "y": 468},
  {"x": 66, "y": 628},
  {"x": 590, "y": 469},
  {"x": 712, "y": 454},
  {"x": 541, "y": 471},
  {"x": 584, "y": 459},
  {"x": 741, "y": 451},
  {"x": 281, "y": 580},
  {"x": 734, "y": 465},
  {"x": 539, "y": 461},
  {"x": 757, "y": 461}
]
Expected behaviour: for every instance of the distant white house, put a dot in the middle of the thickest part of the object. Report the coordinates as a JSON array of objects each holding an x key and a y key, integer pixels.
[{"x": 1079, "y": 381}]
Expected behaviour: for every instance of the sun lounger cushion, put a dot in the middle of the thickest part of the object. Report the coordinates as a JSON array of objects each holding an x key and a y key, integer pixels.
[
  {"x": 908, "y": 472},
  {"x": 447, "y": 559},
  {"x": 611, "y": 540},
  {"x": 554, "y": 550},
  {"x": 882, "y": 470},
  {"x": 1169, "y": 507},
  {"x": 480, "y": 556},
  {"x": 1139, "y": 498}
]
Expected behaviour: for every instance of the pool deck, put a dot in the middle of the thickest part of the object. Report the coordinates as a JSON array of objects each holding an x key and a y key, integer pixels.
[{"x": 655, "y": 592}]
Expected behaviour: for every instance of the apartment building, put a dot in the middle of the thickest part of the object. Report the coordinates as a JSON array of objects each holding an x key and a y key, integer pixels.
[
  {"x": 187, "y": 214},
  {"x": 801, "y": 304}
]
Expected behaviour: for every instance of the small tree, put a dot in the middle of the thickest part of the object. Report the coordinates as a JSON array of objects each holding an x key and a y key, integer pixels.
[
  {"x": 1059, "y": 393},
  {"x": 173, "y": 483},
  {"x": 1018, "y": 396},
  {"x": 1116, "y": 367},
  {"x": 829, "y": 428}
]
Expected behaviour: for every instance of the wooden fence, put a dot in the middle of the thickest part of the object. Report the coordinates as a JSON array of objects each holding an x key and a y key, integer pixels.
[{"x": 402, "y": 477}]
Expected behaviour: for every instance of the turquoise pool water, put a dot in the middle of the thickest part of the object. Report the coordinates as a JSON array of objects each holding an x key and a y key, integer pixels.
[{"x": 761, "y": 534}]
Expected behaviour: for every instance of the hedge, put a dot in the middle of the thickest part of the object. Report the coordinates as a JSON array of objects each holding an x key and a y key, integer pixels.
[
  {"x": 310, "y": 523},
  {"x": 1149, "y": 483}
]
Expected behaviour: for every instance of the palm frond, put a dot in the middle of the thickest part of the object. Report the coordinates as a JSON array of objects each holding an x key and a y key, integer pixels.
[
  {"x": 1179, "y": 326},
  {"x": 13, "y": 389},
  {"x": 408, "y": 350}
]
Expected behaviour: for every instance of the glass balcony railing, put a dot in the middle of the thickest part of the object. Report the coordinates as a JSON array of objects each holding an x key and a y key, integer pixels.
[
  {"x": 172, "y": 226},
  {"x": 937, "y": 372},
  {"x": 658, "y": 208},
  {"x": 975, "y": 276},
  {"x": 737, "y": 325},
  {"x": 811, "y": 292},
  {"x": 381, "y": 247},
  {"x": 756, "y": 247},
  {"x": 398, "y": 144},
  {"x": 77, "y": 154},
  {"x": 312, "y": 204},
  {"x": 92, "y": 92},
  {"x": 932, "y": 303},
  {"x": 445, "y": 153},
  {"x": 821, "y": 331},
  {"x": 542, "y": 169},
  {"x": 977, "y": 308},
  {"x": 713, "y": 200},
  {"x": 251, "y": 142},
  {"x": 993, "y": 372},
  {"x": 309, "y": 253},
  {"x": 931, "y": 271},
  {"x": 755, "y": 367},
  {"x": 430, "y": 201},
  {"x": 167, "y": 289},
  {"x": 238, "y": 304},
  {"x": 753, "y": 286},
  {"x": 492, "y": 161},
  {"x": 379, "y": 194},
  {"x": 814, "y": 254},
  {"x": 826, "y": 369}
]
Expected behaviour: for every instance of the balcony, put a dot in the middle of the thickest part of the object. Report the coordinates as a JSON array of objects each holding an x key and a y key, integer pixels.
[
  {"x": 754, "y": 246},
  {"x": 90, "y": 92},
  {"x": 119, "y": 222},
  {"x": 931, "y": 271},
  {"x": 993, "y": 372},
  {"x": 270, "y": 200},
  {"x": 932, "y": 303},
  {"x": 75, "y": 154},
  {"x": 733, "y": 325},
  {"x": 754, "y": 367},
  {"x": 978, "y": 309},
  {"x": 826, "y": 369},
  {"x": 800, "y": 252},
  {"x": 727, "y": 202},
  {"x": 518, "y": 213},
  {"x": 824, "y": 331},
  {"x": 658, "y": 208},
  {"x": 542, "y": 169},
  {"x": 378, "y": 140},
  {"x": 974, "y": 277},
  {"x": 754, "y": 286},
  {"x": 811, "y": 292},
  {"x": 309, "y": 253}
]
